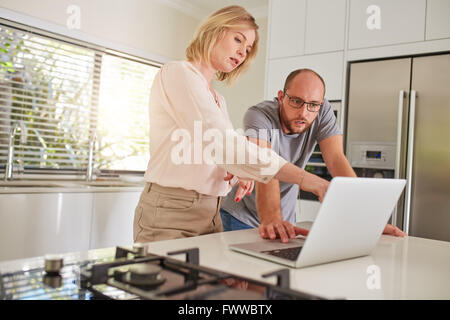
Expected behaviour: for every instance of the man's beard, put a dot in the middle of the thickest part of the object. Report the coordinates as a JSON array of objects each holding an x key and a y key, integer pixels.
[{"x": 289, "y": 126}]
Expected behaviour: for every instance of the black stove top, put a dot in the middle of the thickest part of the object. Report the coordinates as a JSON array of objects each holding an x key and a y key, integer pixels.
[{"x": 135, "y": 274}]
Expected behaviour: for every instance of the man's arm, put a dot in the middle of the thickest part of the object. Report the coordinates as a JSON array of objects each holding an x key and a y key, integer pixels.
[
  {"x": 333, "y": 154},
  {"x": 268, "y": 207}
]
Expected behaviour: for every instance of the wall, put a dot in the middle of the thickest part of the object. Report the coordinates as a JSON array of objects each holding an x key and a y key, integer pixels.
[
  {"x": 249, "y": 88},
  {"x": 147, "y": 26}
]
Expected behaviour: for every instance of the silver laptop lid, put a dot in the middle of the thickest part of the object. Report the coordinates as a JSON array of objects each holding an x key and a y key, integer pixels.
[{"x": 351, "y": 219}]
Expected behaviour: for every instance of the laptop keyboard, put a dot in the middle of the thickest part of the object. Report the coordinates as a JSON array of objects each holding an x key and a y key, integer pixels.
[{"x": 289, "y": 253}]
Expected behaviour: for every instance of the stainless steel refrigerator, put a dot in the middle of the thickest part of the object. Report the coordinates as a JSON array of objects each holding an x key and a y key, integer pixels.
[{"x": 398, "y": 125}]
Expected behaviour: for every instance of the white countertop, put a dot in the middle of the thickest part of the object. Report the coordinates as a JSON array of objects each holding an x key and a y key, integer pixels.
[
  {"x": 409, "y": 268},
  {"x": 55, "y": 186}
]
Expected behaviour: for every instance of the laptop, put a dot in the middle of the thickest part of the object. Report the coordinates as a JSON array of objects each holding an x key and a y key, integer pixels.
[{"x": 351, "y": 219}]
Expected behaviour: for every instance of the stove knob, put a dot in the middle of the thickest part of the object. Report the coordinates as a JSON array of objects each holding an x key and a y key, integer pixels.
[
  {"x": 140, "y": 249},
  {"x": 53, "y": 281},
  {"x": 53, "y": 264}
]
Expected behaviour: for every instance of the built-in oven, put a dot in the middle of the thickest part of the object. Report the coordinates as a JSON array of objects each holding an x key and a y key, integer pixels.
[{"x": 372, "y": 159}]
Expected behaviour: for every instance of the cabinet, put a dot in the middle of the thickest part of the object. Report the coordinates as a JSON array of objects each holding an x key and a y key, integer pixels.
[
  {"x": 112, "y": 219},
  {"x": 325, "y": 25},
  {"x": 36, "y": 224},
  {"x": 39, "y": 224},
  {"x": 286, "y": 28},
  {"x": 438, "y": 20},
  {"x": 328, "y": 65},
  {"x": 307, "y": 210},
  {"x": 400, "y": 21}
]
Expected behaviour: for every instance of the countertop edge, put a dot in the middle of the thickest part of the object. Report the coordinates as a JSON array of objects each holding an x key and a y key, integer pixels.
[{"x": 30, "y": 190}]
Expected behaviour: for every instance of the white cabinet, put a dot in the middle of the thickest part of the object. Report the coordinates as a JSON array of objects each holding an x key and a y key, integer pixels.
[
  {"x": 39, "y": 224},
  {"x": 36, "y": 224},
  {"x": 438, "y": 19},
  {"x": 328, "y": 65},
  {"x": 307, "y": 210},
  {"x": 112, "y": 219},
  {"x": 386, "y": 22},
  {"x": 325, "y": 25},
  {"x": 286, "y": 28}
]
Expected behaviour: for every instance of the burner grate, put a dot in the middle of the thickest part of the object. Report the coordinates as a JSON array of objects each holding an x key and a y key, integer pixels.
[{"x": 134, "y": 274}]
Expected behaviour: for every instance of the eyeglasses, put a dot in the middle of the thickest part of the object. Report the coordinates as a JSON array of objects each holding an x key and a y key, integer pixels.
[{"x": 297, "y": 103}]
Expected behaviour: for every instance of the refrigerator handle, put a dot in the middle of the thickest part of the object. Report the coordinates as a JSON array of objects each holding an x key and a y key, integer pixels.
[
  {"x": 399, "y": 133},
  {"x": 401, "y": 98},
  {"x": 409, "y": 161}
]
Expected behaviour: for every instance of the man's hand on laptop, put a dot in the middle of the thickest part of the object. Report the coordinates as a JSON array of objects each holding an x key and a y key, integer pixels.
[
  {"x": 277, "y": 228},
  {"x": 393, "y": 231}
]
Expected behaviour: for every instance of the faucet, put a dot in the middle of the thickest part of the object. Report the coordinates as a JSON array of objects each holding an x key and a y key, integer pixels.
[
  {"x": 90, "y": 167},
  {"x": 10, "y": 160}
]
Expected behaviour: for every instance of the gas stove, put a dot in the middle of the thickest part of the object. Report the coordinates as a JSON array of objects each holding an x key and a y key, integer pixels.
[{"x": 134, "y": 274}]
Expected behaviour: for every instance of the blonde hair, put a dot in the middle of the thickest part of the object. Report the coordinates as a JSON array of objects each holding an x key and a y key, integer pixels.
[{"x": 213, "y": 29}]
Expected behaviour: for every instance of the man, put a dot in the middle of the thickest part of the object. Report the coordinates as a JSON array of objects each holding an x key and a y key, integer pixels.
[{"x": 295, "y": 121}]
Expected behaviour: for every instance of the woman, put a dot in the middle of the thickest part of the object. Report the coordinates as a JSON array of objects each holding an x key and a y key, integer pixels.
[{"x": 185, "y": 183}]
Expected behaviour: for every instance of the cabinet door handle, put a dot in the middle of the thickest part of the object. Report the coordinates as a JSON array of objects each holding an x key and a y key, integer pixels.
[{"x": 409, "y": 161}]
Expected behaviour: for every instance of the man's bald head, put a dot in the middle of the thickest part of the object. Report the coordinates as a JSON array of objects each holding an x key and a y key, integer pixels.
[{"x": 303, "y": 74}]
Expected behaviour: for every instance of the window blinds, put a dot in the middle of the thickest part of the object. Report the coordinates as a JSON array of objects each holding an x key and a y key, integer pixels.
[
  {"x": 61, "y": 95},
  {"x": 49, "y": 89}
]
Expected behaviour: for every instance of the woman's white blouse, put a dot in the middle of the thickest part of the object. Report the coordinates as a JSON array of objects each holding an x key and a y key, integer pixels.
[{"x": 192, "y": 141}]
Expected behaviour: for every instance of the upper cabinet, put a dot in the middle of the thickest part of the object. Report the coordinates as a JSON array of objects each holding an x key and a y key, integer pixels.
[
  {"x": 306, "y": 34},
  {"x": 438, "y": 19},
  {"x": 287, "y": 28},
  {"x": 328, "y": 65},
  {"x": 325, "y": 35},
  {"x": 300, "y": 27},
  {"x": 386, "y": 22},
  {"x": 325, "y": 25}
]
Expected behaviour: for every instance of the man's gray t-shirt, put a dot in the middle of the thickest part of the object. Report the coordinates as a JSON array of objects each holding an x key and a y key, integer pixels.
[{"x": 295, "y": 148}]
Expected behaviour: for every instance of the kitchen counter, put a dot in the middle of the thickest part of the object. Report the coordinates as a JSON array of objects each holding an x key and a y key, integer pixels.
[
  {"x": 408, "y": 268},
  {"x": 398, "y": 268},
  {"x": 68, "y": 186}
]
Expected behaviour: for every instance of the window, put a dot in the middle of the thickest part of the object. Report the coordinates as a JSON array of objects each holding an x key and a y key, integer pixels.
[
  {"x": 61, "y": 96},
  {"x": 123, "y": 130}
]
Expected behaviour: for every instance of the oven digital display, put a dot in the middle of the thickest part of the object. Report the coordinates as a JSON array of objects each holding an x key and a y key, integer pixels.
[{"x": 373, "y": 154}]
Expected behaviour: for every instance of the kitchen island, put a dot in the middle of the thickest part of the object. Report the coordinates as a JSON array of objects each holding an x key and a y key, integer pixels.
[{"x": 398, "y": 268}]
